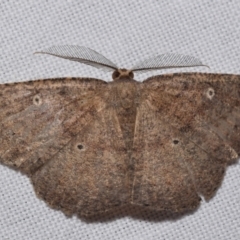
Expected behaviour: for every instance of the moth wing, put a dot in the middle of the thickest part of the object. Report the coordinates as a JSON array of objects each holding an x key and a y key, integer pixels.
[
  {"x": 61, "y": 133},
  {"x": 188, "y": 128}
]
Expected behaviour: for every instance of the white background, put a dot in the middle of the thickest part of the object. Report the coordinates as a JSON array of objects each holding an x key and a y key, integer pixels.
[{"x": 125, "y": 32}]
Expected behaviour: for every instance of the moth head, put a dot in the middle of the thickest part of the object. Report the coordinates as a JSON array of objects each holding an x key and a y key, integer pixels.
[
  {"x": 92, "y": 58},
  {"x": 122, "y": 73}
]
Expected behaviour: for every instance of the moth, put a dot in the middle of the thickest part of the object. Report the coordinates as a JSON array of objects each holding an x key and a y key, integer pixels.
[{"x": 90, "y": 146}]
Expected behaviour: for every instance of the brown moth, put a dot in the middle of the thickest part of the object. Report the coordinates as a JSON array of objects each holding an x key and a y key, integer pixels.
[{"x": 89, "y": 146}]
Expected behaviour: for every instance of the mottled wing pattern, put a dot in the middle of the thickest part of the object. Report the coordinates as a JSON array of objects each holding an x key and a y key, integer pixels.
[
  {"x": 187, "y": 131},
  {"x": 62, "y": 134}
]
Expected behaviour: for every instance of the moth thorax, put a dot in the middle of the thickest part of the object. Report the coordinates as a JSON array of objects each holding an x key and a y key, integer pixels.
[{"x": 122, "y": 73}]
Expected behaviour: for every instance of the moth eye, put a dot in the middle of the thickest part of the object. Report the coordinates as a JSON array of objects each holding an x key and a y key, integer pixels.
[
  {"x": 115, "y": 74},
  {"x": 37, "y": 100},
  {"x": 131, "y": 75},
  {"x": 210, "y": 93}
]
